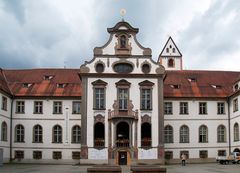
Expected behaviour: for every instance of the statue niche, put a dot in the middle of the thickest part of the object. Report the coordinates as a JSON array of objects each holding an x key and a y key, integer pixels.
[{"x": 122, "y": 47}]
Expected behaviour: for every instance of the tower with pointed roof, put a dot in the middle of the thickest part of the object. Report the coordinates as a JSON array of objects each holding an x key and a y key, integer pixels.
[{"x": 171, "y": 57}]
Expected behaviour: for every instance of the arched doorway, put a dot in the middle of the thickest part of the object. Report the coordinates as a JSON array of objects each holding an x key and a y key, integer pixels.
[
  {"x": 122, "y": 134},
  {"x": 99, "y": 135},
  {"x": 146, "y": 136}
]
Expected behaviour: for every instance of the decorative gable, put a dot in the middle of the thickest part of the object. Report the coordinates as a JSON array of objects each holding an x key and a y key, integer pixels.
[
  {"x": 170, "y": 49},
  {"x": 122, "y": 42}
]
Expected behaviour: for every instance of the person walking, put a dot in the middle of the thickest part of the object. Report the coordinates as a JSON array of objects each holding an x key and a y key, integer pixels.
[{"x": 183, "y": 158}]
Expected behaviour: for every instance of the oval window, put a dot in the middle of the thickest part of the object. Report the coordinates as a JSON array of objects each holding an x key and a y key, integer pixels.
[
  {"x": 145, "y": 68},
  {"x": 123, "y": 68},
  {"x": 99, "y": 68}
]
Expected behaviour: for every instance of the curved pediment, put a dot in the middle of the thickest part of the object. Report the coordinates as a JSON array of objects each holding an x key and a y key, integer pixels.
[{"x": 122, "y": 42}]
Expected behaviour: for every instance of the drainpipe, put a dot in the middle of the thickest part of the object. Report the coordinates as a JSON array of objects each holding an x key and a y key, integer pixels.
[
  {"x": 229, "y": 127},
  {"x": 11, "y": 115}
]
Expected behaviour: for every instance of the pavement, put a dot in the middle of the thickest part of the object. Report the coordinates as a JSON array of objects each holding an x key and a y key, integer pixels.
[{"x": 189, "y": 168}]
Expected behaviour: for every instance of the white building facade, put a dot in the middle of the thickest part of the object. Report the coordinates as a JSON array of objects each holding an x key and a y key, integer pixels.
[{"x": 119, "y": 108}]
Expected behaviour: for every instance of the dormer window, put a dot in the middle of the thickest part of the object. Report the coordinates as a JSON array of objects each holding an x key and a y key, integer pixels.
[
  {"x": 175, "y": 86},
  {"x": 26, "y": 85},
  {"x": 192, "y": 79},
  {"x": 61, "y": 85},
  {"x": 48, "y": 77},
  {"x": 123, "y": 41},
  {"x": 236, "y": 87},
  {"x": 217, "y": 86}
]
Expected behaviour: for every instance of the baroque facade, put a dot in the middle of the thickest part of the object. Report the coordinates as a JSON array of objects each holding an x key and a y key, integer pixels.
[{"x": 121, "y": 107}]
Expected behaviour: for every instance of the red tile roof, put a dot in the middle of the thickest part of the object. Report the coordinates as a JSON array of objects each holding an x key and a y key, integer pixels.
[
  {"x": 39, "y": 86},
  {"x": 3, "y": 82},
  {"x": 204, "y": 85}
]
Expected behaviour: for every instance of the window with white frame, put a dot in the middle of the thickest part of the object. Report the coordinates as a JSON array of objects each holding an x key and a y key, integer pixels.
[
  {"x": 183, "y": 107},
  {"x": 20, "y": 106},
  {"x": 203, "y": 134},
  {"x": 168, "y": 108},
  {"x": 57, "y": 107},
  {"x": 236, "y": 132},
  {"x": 235, "y": 105},
  {"x": 168, "y": 134},
  {"x": 123, "y": 98},
  {"x": 184, "y": 134},
  {"x": 220, "y": 108},
  {"x": 99, "y": 98},
  {"x": 76, "y": 107},
  {"x": 202, "y": 108},
  {"x": 19, "y": 133},
  {"x": 4, "y": 103},
  {"x": 76, "y": 134},
  {"x": 57, "y": 134},
  {"x": 4, "y": 131},
  {"x": 37, "y": 134},
  {"x": 221, "y": 133},
  {"x": 38, "y": 107},
  {"x": 146, "y": 99}
]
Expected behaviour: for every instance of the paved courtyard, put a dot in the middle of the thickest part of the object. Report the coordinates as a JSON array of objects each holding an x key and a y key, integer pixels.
[{"x": 190, "y": 168}]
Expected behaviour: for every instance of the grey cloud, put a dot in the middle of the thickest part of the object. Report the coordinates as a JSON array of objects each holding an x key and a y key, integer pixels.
[
  {"x": 16, "y": 8},
  {"x": 207, "y": 39}
]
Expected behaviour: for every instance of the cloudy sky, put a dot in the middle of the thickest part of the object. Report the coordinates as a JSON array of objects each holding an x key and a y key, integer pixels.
[{"x": 54, "y": 33}]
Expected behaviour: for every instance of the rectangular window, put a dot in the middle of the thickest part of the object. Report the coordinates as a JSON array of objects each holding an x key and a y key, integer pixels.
[
  {"x": 37, "y": 155},
  {"x": 235, "y": 105},
  {"x": 220, "y": 108},
  {"x": 76, "y": 107},
  {"x": 4, "y": 103},
  {"x": 38, "y": 107},
  {"x": 146, "y": 99},
  {"x": 203, "y": 154},
  {"x": 57, "y": 107},
  {"x": 202, "y": 108},
  {"x": 57, "y": 155},
  {"x": 76, "y": 155},
  {"x": 183, "y": 107},
  {"x": 99, "y": 98},
  {"x": 168, "y": 108},
  {"x": 168, "y": 155},
  {"x": 123, "y": 98},
  {"x": 20, "y": 107},
  {"x": 19, "y": 154},
  {"x": 222, "y": 153},
  {"x": 184, "y": 152}
]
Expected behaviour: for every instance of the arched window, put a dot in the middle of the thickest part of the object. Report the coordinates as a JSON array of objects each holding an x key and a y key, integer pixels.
[
  {"x": 4, "y": 131},
  {"x": 221, "y": 133},
  {"x": 184, "y": 134},
  {"x": 236, "y": 132},
  {"x": 76, "y": 134},
  {"x": 99, "y": 135},
  {"x": 123, "y": 41},
  {"x": 168, "y": 134},
  {"x": 19, "y": 133},
  {"x": 37, "y": 134},
  {"x": 57, "y": 134},
  {"x": 146, "y": 135},
  {"x": 171, "y": 63},
  {"x": 203, "y": 134}
]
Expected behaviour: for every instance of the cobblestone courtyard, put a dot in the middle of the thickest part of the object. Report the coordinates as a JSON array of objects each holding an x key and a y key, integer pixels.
[{"x": 190, "y": 168}]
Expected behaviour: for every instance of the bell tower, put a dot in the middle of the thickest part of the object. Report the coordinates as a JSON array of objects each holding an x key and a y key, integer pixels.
[{"x": 171, "y": 57}]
